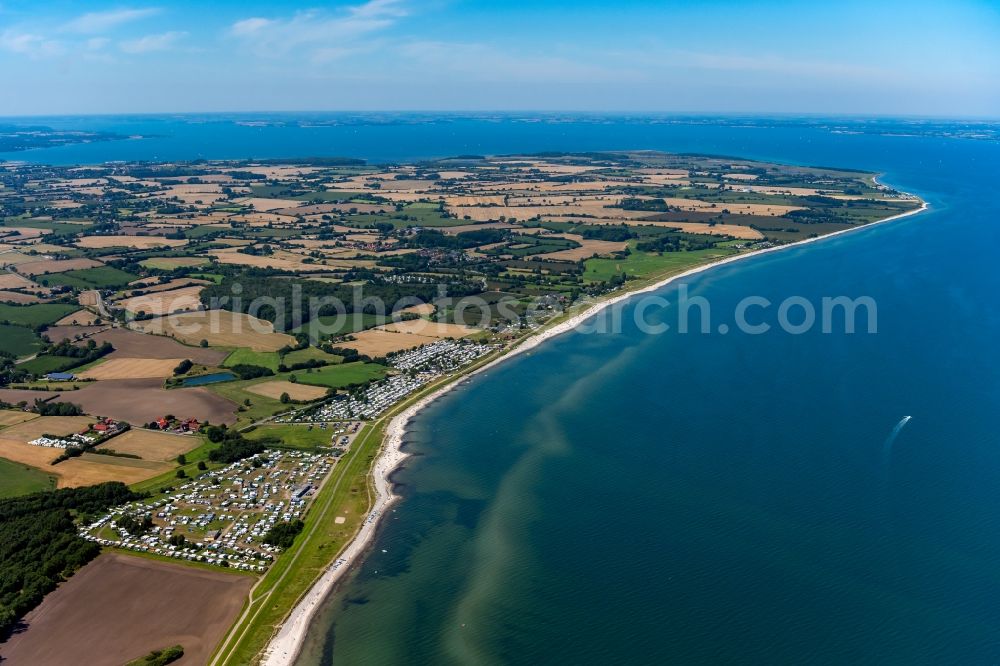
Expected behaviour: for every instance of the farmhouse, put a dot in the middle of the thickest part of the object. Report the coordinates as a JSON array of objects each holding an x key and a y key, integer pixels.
[{"x": 60, "y": 376}]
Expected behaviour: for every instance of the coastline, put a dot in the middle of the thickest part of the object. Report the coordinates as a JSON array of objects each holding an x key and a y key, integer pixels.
[{"x": 286, "y": 644}]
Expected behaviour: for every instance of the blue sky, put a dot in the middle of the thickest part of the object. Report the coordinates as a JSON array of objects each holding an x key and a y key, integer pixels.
[{"x": 884, "y": 58}]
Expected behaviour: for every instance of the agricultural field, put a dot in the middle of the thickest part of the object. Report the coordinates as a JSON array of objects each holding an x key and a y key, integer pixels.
[
  {"x": 276, "y": 388},
  {"x": 164, "y": 302},
  {"x": 131, "y": 368},
  {"x": 45, "y": 267},
  {"x": 244, "y": 356},
  {"x": 170, "y": 263},
  {"x": 121, "y": 607},
  {"x": 104, "y": 277},
  {"x": 136, "y": 242},
  {"x": 152, "y": 445},
  {"x": 79, "y": 318},
  {"x": 20, "y": 479},
  {"x": 35, "y": 315},
  {"x": 19, "y": 341},
  {"x": 309, "y": 354},
  {"x": 220, "y": 328},
  {"x": 378, "y": 342},
  {"x": 294, "y": 436},
  {"x": 339, "y": 376},
  {"x": 9, "y": 417},
  {"x": 82, "y": 471}
]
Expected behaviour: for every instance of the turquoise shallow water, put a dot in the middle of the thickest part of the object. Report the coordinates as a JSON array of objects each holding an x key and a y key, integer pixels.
[{"x": 695, "y": 498}]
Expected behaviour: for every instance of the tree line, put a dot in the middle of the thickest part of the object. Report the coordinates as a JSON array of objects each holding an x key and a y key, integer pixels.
[{"x": 40, "y": 546}]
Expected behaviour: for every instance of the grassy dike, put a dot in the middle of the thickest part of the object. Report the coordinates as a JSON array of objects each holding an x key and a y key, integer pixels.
[{"x": 349, "y": 488}]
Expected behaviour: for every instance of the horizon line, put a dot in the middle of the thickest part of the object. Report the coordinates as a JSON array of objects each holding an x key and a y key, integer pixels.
[{"x": 470, "y": 112}]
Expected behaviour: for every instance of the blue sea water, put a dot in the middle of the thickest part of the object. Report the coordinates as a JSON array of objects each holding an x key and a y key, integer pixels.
[{"x": 697, "y": 498}]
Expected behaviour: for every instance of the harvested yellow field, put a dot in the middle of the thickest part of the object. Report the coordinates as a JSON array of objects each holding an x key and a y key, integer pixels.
[
  {"x": 278, "y": 172},
  {"x": 10, "y": 417},
  {"x": 240, "y": 259},
  {"x": 733, "y": 207},
  {"x": 43, "y": 266},
  {"x": 18, "y": 297},
  {"x": 221, "y": 328},
  {"x": 451, "y": 231},
  {"x": 377, "y": 342},
  {"x": 138, "y": 242},
  {"x": 734, "y": 230},
  {"x": 45, "y": 425},
  {"x": 13, "y": 281},
  {"x": 84, "y": 471},
  {"x": 78, "y": 318},
  {"x": 152, "y": 444},
  {"x": 36, "y": 456},
  {"x": 469, "y": 200},
  {"x": 587, "y": 249},
  {"x": 165, "y": 302},
  {"x": 25, "y": 233},
  {"x": 422, "y": 309},
  {"x": 562, "y": 169},
  {"x": 132, "y": 368},
  {"x": 275, "y": 388},
  {"x": 263, "y": 219},
  {"x": 429, "y": 329},
  {"x": 286, "y": 261},
  {"x": 151, "y": 285},
  {"x": 597, "y": 208},
  {"x": 267, "y": 205}
]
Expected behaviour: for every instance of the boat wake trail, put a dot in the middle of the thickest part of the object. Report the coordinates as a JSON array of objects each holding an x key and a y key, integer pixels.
[{"x": 891, "y": 439}]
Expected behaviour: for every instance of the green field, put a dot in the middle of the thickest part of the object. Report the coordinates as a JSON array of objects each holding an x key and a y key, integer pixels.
[
  {"x": 102, "y": 277},
  {"x": 339, "y": 376},
  {"x": 170, "y": 263},
  {"x": 19, "y": 479},
  {"x": 19, "y": 341},
  {"x": 214, "y": 277},
  {"x": 294, "y": 436},
  {"x": 646, "y": 264},
  {"x": 245, "y": 356},
  {"x": 35, "y": 315},
  {"x": 57, "y": 227},
  {"x": 260, "y": 407},
  {"x": 308, "y": 354},
  {"x": 43, "y": 364}
]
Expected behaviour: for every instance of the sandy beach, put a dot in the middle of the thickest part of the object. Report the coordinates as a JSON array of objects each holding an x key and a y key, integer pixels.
[{"x": 286, "y": 644}]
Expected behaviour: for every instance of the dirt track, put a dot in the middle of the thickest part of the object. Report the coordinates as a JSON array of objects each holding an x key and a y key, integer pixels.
[{"x": 120, "y": 607}]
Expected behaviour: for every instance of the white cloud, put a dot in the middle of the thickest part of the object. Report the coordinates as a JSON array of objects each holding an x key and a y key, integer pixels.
[
  {"x": 250, "y": 26},
  {"x": 96, "y": 22},
  {"x": 773, "y": 64},
  {"x": 378, "y": 9},
  {"x": 29, "y": 44},
  {"x": 149, "y": 43},
  {"x": 97, "y": 43},
  {"x": 485, "y": 62},
  {"x": 329, "y": 33}
]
